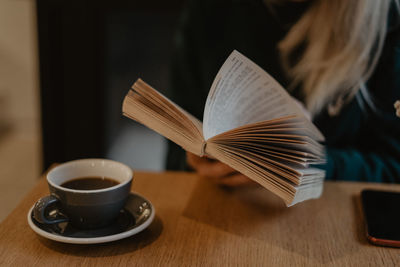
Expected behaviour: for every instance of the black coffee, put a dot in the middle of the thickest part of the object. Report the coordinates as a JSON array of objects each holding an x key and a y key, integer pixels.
[{"x": 89, "y": 183}]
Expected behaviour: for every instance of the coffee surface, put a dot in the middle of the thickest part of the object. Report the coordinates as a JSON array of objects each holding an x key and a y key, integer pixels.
[{"x": 89, "y": 183}]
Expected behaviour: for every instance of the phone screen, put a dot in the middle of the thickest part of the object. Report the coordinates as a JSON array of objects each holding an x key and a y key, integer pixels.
[{"x": 382, "y": 215}]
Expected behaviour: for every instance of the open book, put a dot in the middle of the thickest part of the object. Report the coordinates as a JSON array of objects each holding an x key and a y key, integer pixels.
[{"x": 250, "y": 123}]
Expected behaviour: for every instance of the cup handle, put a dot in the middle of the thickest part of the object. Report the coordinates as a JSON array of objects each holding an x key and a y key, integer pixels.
[{"x": 42, "y": 214}]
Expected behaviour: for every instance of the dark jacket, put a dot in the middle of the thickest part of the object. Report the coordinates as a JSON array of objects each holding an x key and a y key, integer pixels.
[{"x": 363, "y": 143}]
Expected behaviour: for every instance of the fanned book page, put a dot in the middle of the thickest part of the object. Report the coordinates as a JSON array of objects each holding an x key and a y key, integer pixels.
[
  {"x": 250, "y": 123},
  {"x": 147, "y": 106},
  {"x": 243, "y": 93},
  {"x": 278, "y": 154}
]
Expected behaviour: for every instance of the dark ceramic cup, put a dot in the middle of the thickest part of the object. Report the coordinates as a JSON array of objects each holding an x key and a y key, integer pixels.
[{"x": 86, "y": 209}]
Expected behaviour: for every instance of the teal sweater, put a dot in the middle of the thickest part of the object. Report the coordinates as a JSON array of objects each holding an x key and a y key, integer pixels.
[{"x": 362, "y": 143}]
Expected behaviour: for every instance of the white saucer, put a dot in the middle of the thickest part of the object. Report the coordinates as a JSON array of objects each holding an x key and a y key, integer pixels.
[{"x": 138, "y": 213}]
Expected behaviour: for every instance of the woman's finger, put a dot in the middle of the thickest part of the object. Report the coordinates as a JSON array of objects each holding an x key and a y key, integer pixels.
[
  {"x": 207, "y": 167},
  {"x": 236, "y": 180}
]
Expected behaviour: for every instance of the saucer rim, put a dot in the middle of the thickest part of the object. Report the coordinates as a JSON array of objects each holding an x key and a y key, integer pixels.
[{"x": 93, "y": 240}]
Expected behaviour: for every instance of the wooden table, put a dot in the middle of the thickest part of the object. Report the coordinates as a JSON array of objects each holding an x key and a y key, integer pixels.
[{"x": 200, "y": 224}]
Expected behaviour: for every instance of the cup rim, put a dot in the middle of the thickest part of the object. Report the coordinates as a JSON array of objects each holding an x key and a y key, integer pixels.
[{"x": 59, "y": 187}]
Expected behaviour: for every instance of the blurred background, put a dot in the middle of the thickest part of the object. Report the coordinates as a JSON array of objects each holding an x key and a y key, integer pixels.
[{"x": 65, "y": 67}]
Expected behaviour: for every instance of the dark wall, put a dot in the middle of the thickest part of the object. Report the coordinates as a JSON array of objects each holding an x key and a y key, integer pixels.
[{"x": 90, "y": 53}]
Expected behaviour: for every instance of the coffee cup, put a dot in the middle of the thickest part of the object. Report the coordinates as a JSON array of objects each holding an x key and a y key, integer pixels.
[{"x": 88, "y": 193}]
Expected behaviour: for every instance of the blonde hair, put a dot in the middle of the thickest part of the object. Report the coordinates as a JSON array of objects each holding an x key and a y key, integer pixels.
[{"x": 341, "y": 41}]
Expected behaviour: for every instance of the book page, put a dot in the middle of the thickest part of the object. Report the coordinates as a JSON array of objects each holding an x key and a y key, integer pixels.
[
  {"x": 275, "y": 153},
  {"x": 307, "y": 184},
  {"x": 243, "y": 93},
  {"x": 147, "y": 106}
]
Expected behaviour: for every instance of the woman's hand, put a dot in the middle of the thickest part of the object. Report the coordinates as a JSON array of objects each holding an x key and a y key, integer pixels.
[
  {"x": 219, "y": 172},
  {"x": 397, "y": 107}
]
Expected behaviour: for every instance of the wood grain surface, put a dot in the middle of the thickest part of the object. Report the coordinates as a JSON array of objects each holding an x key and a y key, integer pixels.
[{"x": 200, "y": 224}]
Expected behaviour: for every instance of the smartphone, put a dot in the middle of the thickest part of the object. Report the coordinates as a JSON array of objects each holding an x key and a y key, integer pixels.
[{"x": 382, "y": 216}]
